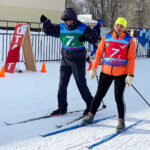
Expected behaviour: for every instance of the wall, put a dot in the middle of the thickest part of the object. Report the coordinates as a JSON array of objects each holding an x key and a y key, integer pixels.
[{"x": 31, "y": 10}]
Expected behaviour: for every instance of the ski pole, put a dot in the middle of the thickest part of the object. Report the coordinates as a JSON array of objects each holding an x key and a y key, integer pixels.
[
  {"x": 140, "y": 94},
  {"x": 104, "y": 106},
  {"x": 88, "y": 57}
]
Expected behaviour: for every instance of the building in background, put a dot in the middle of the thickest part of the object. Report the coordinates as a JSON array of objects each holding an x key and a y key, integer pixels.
[
  {"x": 87, "y": 19},
  {"x": 30, "y": 10}
]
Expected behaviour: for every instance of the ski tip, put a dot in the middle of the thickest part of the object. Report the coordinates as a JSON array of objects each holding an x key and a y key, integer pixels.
[
  {"x": 44, "y": 135},
  {"x": 58, "y": 126},
  {"x": 6, "y": 123},
  {"x": 41, "y": 135},
  {"x": 88, "y": 147}
]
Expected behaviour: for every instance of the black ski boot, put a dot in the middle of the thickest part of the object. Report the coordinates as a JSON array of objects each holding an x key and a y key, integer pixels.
[{"x": 58, "y": 112}]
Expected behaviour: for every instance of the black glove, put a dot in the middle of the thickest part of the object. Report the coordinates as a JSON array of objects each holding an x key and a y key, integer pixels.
[
  {"x": 88, "y": 59},
  {"x": 43, "y": 18},
  {"x": 82, "y": 38}
]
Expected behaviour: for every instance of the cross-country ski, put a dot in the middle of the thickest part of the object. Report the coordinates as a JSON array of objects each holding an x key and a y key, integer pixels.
[
  {"x": 76, "y": 126},
  {"x": 74, "y": 120},
  {"x": 39, "y": 118},
  {"x": 111, "y": 136}
]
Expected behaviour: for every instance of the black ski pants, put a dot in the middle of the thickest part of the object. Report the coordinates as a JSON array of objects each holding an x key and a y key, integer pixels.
[
  {"x": 103, "y": 86},
  {"x": 78, "y": 69}
]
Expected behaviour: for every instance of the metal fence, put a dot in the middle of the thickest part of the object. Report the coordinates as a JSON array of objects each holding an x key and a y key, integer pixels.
[
  {"x": 10, "y": 25},
  {"x": 46, "y": 48}
]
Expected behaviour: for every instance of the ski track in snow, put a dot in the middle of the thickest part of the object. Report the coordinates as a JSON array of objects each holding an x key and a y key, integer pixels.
[{"x": 30, "y": 95}]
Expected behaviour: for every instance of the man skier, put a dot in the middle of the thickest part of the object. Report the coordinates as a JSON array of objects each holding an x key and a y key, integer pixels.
[{"x": 72, "y": 34}]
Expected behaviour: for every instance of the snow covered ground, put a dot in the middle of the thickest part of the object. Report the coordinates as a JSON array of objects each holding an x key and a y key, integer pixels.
[{"x": 32, "y": 94}]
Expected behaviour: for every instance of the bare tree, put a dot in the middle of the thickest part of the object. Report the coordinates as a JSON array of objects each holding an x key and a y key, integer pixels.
[
  {"x": 77, "y": 6},
  {"x": 103, "y": 9},
  {"x": 100, "y": 9},
  {"x": 109, "y": 10},
  {"x": 113, "y": 11},
  {"x": 140, "y": 13}
]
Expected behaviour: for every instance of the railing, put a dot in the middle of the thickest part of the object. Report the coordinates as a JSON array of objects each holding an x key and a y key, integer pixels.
[
  {"x": 45, "y": 48},
  {"x": 10, "y": 25}
]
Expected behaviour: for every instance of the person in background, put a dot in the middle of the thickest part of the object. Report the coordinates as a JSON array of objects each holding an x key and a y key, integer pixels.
[
  {"x": 94, "y": 46},
  {"x": 72, "y": 34},
  {"x": 118, "y": 65}
]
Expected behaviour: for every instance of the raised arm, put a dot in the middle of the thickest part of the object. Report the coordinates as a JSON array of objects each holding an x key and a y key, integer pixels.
[{"x": 49, "y": 28}]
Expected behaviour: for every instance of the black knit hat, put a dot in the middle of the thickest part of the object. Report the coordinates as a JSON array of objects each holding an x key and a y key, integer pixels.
[{"x": 69, "y": 14}]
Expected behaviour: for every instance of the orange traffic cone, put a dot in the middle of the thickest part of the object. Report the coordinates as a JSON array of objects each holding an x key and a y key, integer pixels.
[
  {"x": 43, "y": 70},
  {"x": 2, "y": 73}
]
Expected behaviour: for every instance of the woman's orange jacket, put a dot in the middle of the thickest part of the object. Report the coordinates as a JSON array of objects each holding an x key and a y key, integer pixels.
[{"x": 113, "y": 70}]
